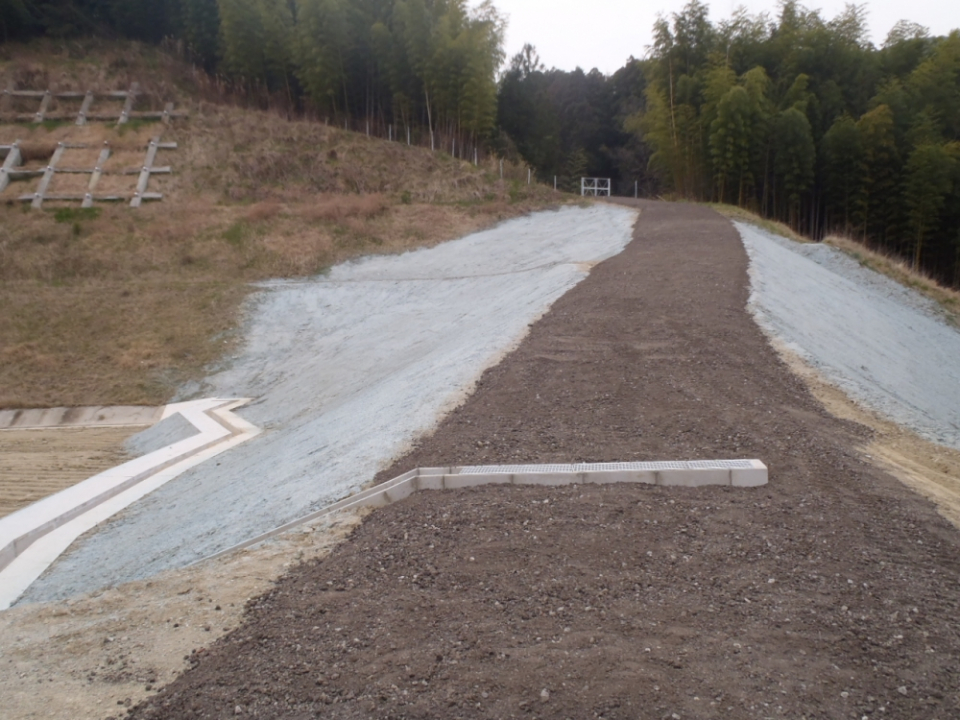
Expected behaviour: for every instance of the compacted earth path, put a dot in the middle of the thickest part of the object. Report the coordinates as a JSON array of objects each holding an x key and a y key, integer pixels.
[{"x": 830, "y": 593}]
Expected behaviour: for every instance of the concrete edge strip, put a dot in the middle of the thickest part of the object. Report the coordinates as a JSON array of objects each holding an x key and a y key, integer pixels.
[
  {"x": 98, "y": 416},
  {"x": 748, "y": 473},
  {"x": 31, "y": 539}
]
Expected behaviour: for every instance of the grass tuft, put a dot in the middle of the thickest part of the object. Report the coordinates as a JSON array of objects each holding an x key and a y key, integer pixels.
[
  {"x": 777, "y": 228},
  {"x": 75, "y": 215}
]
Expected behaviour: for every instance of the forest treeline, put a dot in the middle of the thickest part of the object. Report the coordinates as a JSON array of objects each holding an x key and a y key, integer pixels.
[
  {"x": 798, "y": 118},
  {"x": 421, "y": 63}
]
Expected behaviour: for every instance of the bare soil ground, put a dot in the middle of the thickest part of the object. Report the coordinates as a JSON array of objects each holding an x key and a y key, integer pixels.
[
  {"x": 93, "y": 656},
  {"x": 930, "y": 469},
  {"x": 830, "y": 593},
  {"x": 37, "y": 463}
]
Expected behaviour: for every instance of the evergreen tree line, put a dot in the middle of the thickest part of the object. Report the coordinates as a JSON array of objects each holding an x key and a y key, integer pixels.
[
  {"x": 421, "y": 63},
  {"x": 799, "y": 118},
  {"x": 571, "y": 124}
]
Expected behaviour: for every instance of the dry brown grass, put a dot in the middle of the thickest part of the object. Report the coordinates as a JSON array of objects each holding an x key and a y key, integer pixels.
[
  {"x": 897, "y": 269},
  {"x": 777, "y": 228},
  {"x": 336, "y": 208}
]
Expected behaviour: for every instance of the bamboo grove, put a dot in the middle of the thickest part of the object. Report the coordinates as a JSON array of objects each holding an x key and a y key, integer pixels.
[
  {"x": 803, "y": 120},
  {"x": 421, "y": 63}
]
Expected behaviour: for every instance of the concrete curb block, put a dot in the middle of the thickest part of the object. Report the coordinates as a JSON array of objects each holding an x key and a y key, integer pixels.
[
  {"x": 32, "y": 538},
  {"x": 77, "y": 417},
  {"x": 696, "y": 473}
]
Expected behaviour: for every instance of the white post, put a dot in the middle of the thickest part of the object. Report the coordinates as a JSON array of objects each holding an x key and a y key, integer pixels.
[
  {"x": 529, "y": 175},
  {"x": 476, "y": 160}
]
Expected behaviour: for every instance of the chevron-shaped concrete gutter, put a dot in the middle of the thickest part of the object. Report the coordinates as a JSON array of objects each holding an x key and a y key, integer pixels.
[{"x": 31, "y": 539}]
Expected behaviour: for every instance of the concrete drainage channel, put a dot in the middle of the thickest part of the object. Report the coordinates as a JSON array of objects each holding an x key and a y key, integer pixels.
[
  {"x": 31, "y": 539},
  {"x": 696, "y": 473}
]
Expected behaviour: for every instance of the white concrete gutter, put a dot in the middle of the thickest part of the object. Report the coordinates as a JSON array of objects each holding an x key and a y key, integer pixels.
[
  {"x": 693, "y": 473},
  {"x": 32, "y": 538}
]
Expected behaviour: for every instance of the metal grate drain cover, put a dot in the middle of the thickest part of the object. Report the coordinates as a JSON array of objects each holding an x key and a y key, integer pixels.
[{"x": 608, "y": 467}]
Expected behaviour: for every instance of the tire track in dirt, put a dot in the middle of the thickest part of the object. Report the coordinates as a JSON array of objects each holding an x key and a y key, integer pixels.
[{"x": 829, "y": 593}]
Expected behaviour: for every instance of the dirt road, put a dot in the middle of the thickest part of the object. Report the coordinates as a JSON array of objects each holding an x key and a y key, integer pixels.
[{"x": 830, "y": 593}]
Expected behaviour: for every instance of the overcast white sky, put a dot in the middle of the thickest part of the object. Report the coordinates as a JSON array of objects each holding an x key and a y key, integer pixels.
[{"x": 604, "y": 33}]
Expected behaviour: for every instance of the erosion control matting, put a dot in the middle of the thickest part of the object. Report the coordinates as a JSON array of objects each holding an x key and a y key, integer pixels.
[{"x": 830, "y": 593}]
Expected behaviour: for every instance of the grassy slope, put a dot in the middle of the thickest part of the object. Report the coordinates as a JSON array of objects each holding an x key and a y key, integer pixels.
[{"x": 122, "y": 305}]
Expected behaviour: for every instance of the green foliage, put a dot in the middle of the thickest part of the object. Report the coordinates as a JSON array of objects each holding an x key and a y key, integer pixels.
[
  {"x": 570, "y": 124},
  {"x": 803, "y": 120},
  {"x": 201, "y": 30},
  {"x": 843, "y": 161},
  {"x": 256, "y": 41},
  {"x": 16, "y": 20},
  {"x": 794, "y": 159},
  {"x": 926, "y": 183},
  {"x": 75, "y": 215},
  {"x": 237, "y": 234},
  {"x": 410, "y": 63},
  {"x": 731, "y": 136},
  {"x": 880, "y": 174}
]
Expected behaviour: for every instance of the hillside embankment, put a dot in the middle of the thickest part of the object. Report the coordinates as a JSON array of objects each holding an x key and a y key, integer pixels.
[
  {"x": 871, "y": 349},
  {"x": 115, "y": 305}
]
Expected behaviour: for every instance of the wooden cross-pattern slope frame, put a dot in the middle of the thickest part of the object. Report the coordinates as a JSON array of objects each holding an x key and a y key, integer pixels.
[
  {"x": 96, "y": 175},
  {"x": 85, "y": 115},
  {"x": 141, "y": 194},
  {"x": 10, "y": 161},
  {"x": 38, "y": 196},
  {"x": 87, "y": 199}
]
